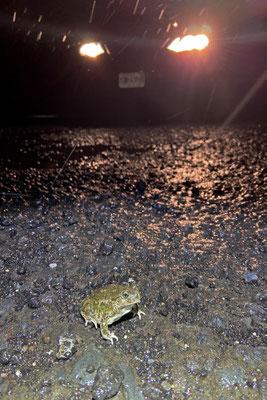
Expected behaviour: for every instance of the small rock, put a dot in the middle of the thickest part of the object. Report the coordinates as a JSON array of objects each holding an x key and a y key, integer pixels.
[
  {"x": 250, "y": 277},
  {"x": 105, "y": 249},
  {"x": 107, "y": 382},
  {"x": 90, "y": 369},
  {"x": 166, "y": 385},
  {"x": 91, "y": 269},
  {"x": 13, "y": 232},
  {"x": 192, "y": 366},
  {"x": 23, "y": 240},
  {"x": 164, "y": 311},
  {"x": 231, "y": 376},
  {"x": 5, "y": 357},
  {"x": 217, "y": 322},
  {"x": 34, "y": 303},
  {"x": 191, "y": 282},
  {"x": 66, "y": 349},
  {"x": 21, "y": 270},
  {"x": 67, "y": 284},
  {"x": 154, "y": 391},
  {"x": 202, "y": 373},
  {"x": 262, "y": 296},
  {"x": 4, "y": 222},
  {"x": 53, "y": 265},
  {"x": 257, "y": 313}
]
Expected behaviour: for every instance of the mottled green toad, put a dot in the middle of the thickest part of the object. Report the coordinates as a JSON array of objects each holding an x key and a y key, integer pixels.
[{"x": 108, "y": 304}]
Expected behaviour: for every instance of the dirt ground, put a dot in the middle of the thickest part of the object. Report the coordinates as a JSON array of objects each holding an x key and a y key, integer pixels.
[{"x": 180, "y": 211}]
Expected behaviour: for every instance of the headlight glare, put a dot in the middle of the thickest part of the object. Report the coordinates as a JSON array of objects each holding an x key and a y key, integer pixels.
[
  {"x": 91, "y": 50},
  {"x": 188, "y": 43}
]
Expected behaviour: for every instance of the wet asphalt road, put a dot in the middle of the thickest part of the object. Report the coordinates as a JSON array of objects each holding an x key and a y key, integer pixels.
[
  {"x": 180, "y": 210},
  {"x": 174, "y": 164}
]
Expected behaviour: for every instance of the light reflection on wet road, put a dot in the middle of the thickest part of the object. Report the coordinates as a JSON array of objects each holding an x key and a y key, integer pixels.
[{"x": 177, "y": 164}]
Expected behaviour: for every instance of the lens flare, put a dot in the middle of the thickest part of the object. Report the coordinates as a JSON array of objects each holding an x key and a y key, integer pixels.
[
  {"x": 92, "y": 50},
  {"x": 188, "y": 43}
]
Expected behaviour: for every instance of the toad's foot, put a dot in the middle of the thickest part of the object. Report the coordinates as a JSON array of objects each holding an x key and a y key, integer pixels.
[
  {"x": 106, "y": 334},
  {"x": 91, "y": 320},
  {"x": 139, "y": 313},
  {"x": 110, "y": 337}
]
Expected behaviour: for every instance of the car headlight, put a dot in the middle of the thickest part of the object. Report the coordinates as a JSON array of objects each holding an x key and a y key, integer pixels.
[
  {"x": 188, "y": 43},
  {"x": 91, "y": 50}
]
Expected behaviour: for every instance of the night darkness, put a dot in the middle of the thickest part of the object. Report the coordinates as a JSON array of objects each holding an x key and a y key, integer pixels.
[{"x": 43, "y": 73}]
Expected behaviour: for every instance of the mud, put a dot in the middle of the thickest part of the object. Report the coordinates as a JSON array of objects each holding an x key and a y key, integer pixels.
[{"x": 180, "y": 210}]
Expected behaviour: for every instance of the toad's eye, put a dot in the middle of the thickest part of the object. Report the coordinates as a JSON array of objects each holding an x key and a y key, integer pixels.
[{"x": 125, "y": 295}]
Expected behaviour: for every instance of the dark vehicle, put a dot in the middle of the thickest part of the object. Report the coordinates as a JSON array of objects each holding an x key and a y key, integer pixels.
[{"x": 158, "y": 61}]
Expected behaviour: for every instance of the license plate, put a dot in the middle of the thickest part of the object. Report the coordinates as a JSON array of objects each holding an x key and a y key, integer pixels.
[{"x": 131, "y": 80}]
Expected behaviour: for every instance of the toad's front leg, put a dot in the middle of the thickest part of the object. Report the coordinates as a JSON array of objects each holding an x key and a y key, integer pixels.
[
  {"x": 136, "y": 310},
  {"x": 105, "y": 332}
]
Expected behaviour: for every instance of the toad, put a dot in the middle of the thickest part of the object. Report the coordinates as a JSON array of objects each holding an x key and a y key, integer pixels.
[{"x": 108, "y": 304}]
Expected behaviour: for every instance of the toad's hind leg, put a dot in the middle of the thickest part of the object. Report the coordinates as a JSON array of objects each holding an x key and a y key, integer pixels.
[{"x": 105, "y": 332}]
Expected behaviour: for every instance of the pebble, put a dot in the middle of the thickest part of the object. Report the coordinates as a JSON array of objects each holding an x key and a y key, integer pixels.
[
  {"x": 258, "y": 313},
  {"x": 105, "y": 249},
  {"x": 21, "y": 270},
  {"x": 13, "y": 232},
  {"x": 53, "y": 265},
  {"x": 34, "y": 303},
  {"x": 231, "y": 376},
  {"x": 154, "y": 391},
  {"x": 107, "y": 382},
  {"x": 202, "y": 373},
  {"x": 4, "y": 222},
  {"x": 250, "y": 277},
  {"x": 166, "y": 385},
  {"x": 164, "y": 311},
  {"x": 262, "y": 296},
  {"x": 191, "y": 282},
  {"x": 67, "y": 284},
  {"x": 192, "y": 366},
  {"x": 217, "y": 321},
  {"x": 5, "y": 357},
  {"x": 90, "y": 368},
  {"x": 67, "y": 348}
]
